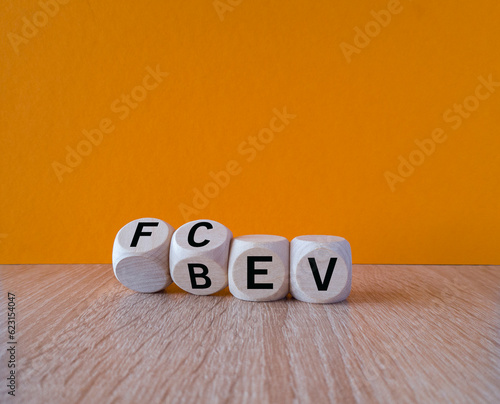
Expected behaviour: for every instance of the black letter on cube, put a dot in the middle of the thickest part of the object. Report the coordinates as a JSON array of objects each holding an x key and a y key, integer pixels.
[{"x": 252, "y": 271}]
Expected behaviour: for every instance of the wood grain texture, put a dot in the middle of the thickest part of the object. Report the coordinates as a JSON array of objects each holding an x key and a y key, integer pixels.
[{"x": 405, "y": 334}]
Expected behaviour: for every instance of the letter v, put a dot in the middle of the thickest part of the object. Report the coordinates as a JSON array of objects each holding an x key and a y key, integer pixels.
[{"x": 322, "y": 285}]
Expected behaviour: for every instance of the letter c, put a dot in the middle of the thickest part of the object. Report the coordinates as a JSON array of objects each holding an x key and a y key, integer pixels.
[{"x": 191, "y": 241}]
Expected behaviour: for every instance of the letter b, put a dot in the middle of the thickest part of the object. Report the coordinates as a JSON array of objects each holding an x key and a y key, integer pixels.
[{"x": 192, "y": 276}]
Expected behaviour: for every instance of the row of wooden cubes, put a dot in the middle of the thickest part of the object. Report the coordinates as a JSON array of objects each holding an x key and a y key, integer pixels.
[{"x": 202, "y": 258}]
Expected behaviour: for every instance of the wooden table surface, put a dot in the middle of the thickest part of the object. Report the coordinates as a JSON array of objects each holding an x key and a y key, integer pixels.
[{"x": 405, "y": 334}]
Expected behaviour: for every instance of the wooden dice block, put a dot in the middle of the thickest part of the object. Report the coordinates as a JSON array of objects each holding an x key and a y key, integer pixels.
[
  {"x": 258, "y": 267},
  {"x": 320, "y": 269},
  {"x": 198, "y": 256},
  {"x": 140, "y": 255}
]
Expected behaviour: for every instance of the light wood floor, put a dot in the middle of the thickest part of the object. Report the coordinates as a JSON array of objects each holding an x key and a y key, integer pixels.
[{"x": 405, "y": 334}]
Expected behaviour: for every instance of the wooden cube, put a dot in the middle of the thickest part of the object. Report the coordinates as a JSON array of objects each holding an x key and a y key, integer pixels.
[
  {"x": 320, "y": 269},
  {"x": 198, "y": 256},
  {"x": 258, "y": 267},
  {"x": 140, "y": 255}
]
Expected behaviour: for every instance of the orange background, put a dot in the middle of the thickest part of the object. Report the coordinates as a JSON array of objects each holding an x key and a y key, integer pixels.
[{"x": 323, "y": 173}]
